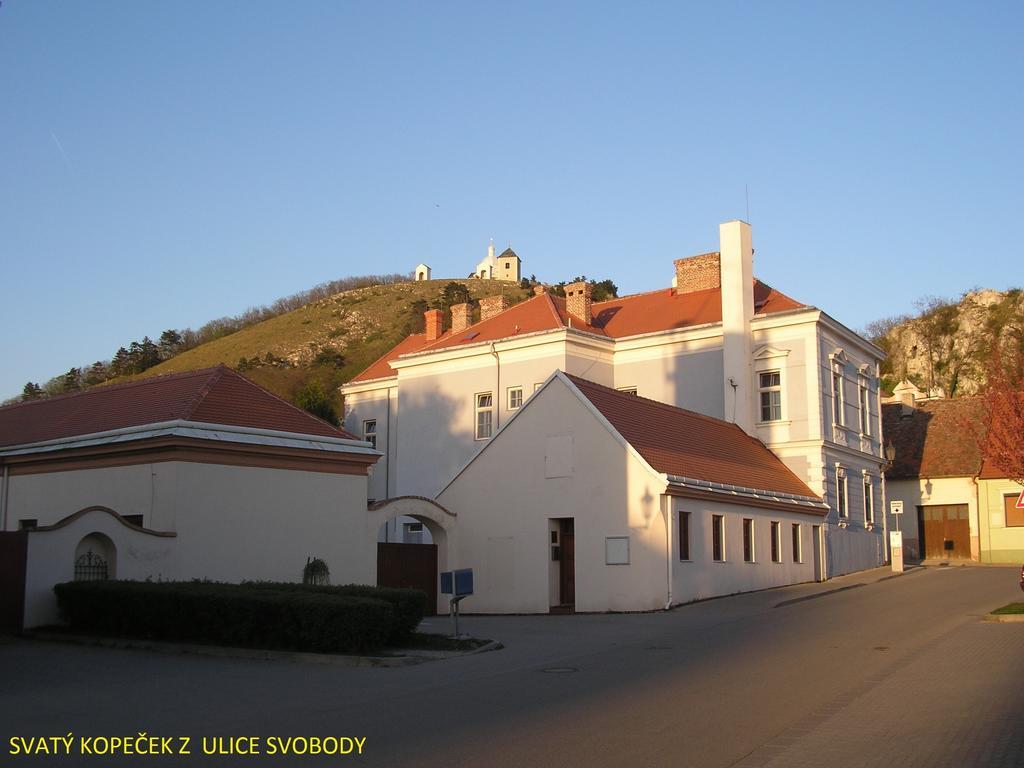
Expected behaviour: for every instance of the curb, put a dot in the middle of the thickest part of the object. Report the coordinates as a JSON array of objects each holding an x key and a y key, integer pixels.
[
  {"x": 1005, "y": 618},
  {"x": 260, "y": 654}
]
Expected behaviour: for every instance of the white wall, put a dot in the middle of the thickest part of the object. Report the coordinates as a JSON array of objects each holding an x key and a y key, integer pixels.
[
  {"x": 701, "y": 576},
  {"x": 232, "y": 523},
  {"x": 51, "y": 560},
  {"x": 504, "y": 516}
]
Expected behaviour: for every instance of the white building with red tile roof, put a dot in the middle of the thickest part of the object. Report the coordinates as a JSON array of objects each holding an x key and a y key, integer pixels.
[
  {"x": 199, "y": 475},
  {"x": 719, "y": 342},
  {"x": 590, "y": 499}
]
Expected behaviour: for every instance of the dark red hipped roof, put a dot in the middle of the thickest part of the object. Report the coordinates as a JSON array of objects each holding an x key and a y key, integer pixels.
[{"x": 213, "y": 395}]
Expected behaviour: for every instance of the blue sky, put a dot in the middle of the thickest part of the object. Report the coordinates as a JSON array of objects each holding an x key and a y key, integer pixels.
[{"x": 162, "y": 164}]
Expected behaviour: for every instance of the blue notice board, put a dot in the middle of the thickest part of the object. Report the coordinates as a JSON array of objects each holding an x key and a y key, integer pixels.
[{"x": 459, "y": 582}]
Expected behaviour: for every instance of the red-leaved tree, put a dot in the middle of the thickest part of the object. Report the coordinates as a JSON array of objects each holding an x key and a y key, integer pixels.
[{"x": 1002, "y": 446}]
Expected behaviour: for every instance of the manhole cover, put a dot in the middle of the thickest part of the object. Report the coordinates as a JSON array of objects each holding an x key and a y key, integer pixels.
[{"x": 559, "y": 670}]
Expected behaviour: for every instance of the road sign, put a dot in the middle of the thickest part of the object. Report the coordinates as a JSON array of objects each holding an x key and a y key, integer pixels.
[
  {"x": 1020, "y": 501},
  {"x": 895, "y": 507}
]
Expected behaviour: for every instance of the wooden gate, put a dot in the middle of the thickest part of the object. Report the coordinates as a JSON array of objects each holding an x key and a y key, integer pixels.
[
  {"x": 946, "y": 530},
  {"x": 411, "y": 566},
  {"x": 13, "y": 561}
]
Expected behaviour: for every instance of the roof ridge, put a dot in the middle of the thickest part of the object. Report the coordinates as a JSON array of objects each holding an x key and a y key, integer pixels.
[
  {"x": 198, "y": 397},
  {"x": 104, "y": 387},
  {"x": 551, "y": 305},
  {"x": 222, "y": 369}
]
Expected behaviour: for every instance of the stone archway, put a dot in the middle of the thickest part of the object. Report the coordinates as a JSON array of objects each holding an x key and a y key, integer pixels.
[{"x": 439, "y": 521}]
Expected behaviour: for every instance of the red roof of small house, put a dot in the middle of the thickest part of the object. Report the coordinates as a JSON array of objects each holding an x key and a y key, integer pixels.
[
  {"x": 213, "y": 396},
  {"x": 934, "y": 438},
  {"x": 688, "y": 444},
  {"x": 616, "y": 318}
]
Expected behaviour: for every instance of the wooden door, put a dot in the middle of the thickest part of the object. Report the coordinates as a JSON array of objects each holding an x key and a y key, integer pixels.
[
  {"x": 411, "y": 566},
  {"x": 947, "y": 532},
  {"x": 13, "y": 560},
  {"x": 567, "y": 565}
]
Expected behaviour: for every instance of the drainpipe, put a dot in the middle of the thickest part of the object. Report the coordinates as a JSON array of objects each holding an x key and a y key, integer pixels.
[
  {"x": 497, "y": 390},
  {"x": 3, "y": 497},
  {"x": 977, "y": 511},
  {"x": 666, "y": 506}
]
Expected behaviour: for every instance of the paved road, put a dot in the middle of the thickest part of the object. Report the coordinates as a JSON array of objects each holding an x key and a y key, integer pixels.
[{"x": 887, "y": 672}]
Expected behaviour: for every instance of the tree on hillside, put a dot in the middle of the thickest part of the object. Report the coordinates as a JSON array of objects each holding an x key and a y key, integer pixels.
[
  {"x": 31, "y": 391},
  {"x": 72, "y": 380},
  {"x": 96, "y": 374},
  {"x": 314, "y": 399},
  {"x": 1003, "y": 403},
  {"x": 415, "y": 322},
  {"x": 170, "y": 343},
  {"x": 453, "y": 293}
]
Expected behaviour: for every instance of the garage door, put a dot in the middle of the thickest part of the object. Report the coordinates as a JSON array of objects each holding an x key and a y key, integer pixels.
[{"x": 947, "y": 531}]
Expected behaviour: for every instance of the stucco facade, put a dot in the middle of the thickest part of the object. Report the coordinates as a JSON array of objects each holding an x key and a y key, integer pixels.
[
  {"x": 428, "y": 406},
  {"x": 1001, "y": 534},
  {"x": 570, "y": 465}
]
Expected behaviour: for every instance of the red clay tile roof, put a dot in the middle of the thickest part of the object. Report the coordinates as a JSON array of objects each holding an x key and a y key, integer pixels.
[
  {"x": 381, "y": 367},
  {"x": 213, "y": 395},
  {"x": 934, "y": 439},
  {"x": 680, "y": 442},
  {"x": 631, "y": 315}
]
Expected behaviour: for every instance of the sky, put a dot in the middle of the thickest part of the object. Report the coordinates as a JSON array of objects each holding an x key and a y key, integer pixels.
[{"x": 164, "y": 164}]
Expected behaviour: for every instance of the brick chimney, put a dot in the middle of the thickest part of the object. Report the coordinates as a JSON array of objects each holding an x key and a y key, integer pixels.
[
  {"x": 433, "y": 318},
  {"x": 461, "y": 317},
  {"x": 493, "y": 305},
  {"x": 577, "y": 300},
  {"x": 698, "y": 273}
]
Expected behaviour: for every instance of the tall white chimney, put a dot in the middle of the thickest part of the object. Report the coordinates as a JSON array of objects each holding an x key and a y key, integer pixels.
[{"x": 737, "y": 260}]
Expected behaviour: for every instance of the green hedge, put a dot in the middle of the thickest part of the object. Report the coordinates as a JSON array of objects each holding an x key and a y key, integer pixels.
[
  {"x": 228, "y": 614},
  {"x": 409, "y": 605}
]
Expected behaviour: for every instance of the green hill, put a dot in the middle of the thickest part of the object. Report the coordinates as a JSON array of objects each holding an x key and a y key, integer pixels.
[{"x": 330, "y": 340}]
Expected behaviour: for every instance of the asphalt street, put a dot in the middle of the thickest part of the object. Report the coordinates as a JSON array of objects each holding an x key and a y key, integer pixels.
[{"x": 883, "y": 671}]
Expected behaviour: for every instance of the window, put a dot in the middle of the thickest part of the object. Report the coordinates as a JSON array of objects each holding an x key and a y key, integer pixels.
[
  {"x": 684, "y": 535},
  {"x": 844, "y": 512},
  {"x": 27, "y": 524},
  {"x": 776, "y": 542},
  {"x": 627, "y": 390},
  {"x": 484, "y": 415},
  {"x": 718, "y": 538},
  {"x": 1014, "y": 516},
  {"x": 770, "y": 385},
  {"x": 869, "y": 501},
  {"x": 515, "y": 398},
  {"x": 865, "y": 412},
  {"x": 837, "y": 397},
  {"x": 748, "y": 540},
  {"x": 798, "y": 549},
  {"x": 133, "y": 519},
  {"x": 370, "y": 432}
]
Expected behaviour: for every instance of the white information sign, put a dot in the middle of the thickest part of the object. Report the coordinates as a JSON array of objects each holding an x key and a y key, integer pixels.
[{"x": 895, "y": 507}]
